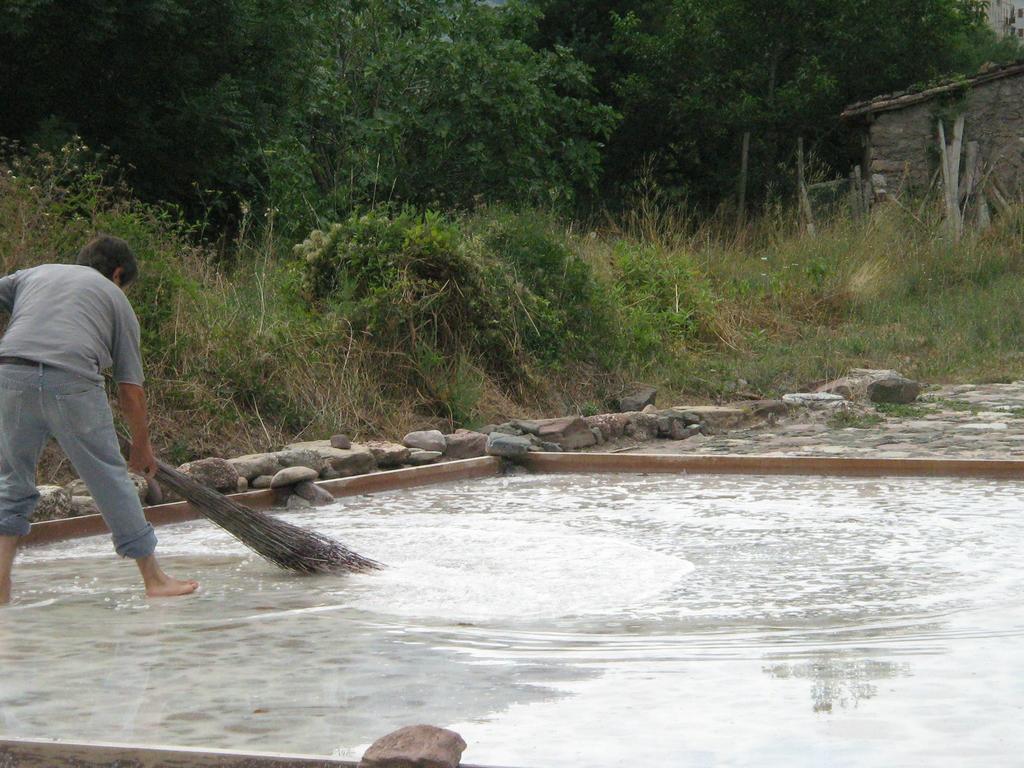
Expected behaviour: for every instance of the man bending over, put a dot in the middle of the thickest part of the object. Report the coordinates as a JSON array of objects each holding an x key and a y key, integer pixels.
[{"x": 68, "y": 323}]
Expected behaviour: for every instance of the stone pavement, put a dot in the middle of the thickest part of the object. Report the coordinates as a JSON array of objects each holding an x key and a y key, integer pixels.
[{"x": 964, "y": 421}]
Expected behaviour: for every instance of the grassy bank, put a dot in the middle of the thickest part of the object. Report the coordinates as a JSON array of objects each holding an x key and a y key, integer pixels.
[{"x": 393, "y": 321}]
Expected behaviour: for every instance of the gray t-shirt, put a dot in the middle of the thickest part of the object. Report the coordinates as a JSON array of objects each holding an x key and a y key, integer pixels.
[{"x": 73, "y": 318}]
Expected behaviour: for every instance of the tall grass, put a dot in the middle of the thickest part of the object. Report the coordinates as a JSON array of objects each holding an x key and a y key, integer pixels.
[{"x": 241, "y": 357}]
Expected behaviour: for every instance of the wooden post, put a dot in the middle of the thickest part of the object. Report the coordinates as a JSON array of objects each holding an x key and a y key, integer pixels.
[
  {"x": 805, "y": 201},
  {"x": 856, "y": 193},
  {"x": 741, "y": 216},
  {"x": 951, "y": 175}
]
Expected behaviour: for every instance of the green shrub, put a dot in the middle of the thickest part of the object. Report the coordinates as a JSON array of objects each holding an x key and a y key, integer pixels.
[
  {"x": 410, "y": 281},
  {"x": 663, "y": 298}
]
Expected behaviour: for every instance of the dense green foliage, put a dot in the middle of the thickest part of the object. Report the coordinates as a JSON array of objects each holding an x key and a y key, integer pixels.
[
  {"x": 322, "y": 108},
  {"x": 184, "y": 91},
  {"x": 438, "y": 104}
]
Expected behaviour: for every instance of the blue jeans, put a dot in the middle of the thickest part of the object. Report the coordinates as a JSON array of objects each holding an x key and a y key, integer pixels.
[{"x": 39, "y": 402}]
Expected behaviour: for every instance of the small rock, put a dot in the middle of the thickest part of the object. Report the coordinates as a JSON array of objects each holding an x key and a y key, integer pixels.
[
  {"x": 508, "y": 446},
  {"x": 263, "y": 481},
  {"x": 425, "y": 440},
  {"x": 255, "y": 464},
  {"x": 83, "y": 505},
  {"x": 313, "y": 493},
  {"x": 141, "y": 485},
  {"x": 418, "y": 458},
  {"x": 297, "y": 502},
  {"x": 54, "y": 503},
  {"x": 549, "y": 447},
  {"x": 341, "y": 441},
  {"x": 649, "y": 409},
  {"x": 415, "y": 746},
  {"x": 638, "y": 400},
  {"x": 388, "y": 454},
  {"x": 293, "y": 475},
  {"x": 896, "y": 390},
  {"x": 154, "y": 493},
  {"x": 464, "y": 444},
  {"x": 218, "y": 474},
  {"x": 243, "y": 485}
]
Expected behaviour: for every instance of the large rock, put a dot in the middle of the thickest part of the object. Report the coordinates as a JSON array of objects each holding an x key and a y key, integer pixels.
[
  {"x": 508, "y": 446},
  {"x": 79, "y": 488},
  {"x": 292, "y": 475},
  {"x": 815, "y": 401},
  {"x": 714, "y": 419},
  {"x": 343, "y": 462},
  {"x": 83, "y": 505},
  {"x": 611, "y": 425},
  {"x": 638, "y": 400},
  {"x": 642, "y": 426},
  {"x": 308, "y": 445},
  {"x": 415, "y": 746},
  {"x": 425, "y": 440},
  {"x": 313, "y": 493},
  {"x": 388, "y": 454},
  {"x": 218, "y": 474},
  {"x": 464, "y": 444},
  {"x": 54, "y": 503},
  {"x": 301, "y": 457},
  {"x": 895, "y": 389},
  {"x": 255, "y": 464},
  {"x": 262, "y": 482},
  {"x": 569, "y": 432}
]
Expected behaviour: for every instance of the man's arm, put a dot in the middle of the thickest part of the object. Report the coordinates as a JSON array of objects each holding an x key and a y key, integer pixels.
[{"x": 132, "y": 399}]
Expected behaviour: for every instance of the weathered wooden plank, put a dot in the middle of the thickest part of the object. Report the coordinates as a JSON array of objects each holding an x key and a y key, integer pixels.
[
  {"x": 55, "y": 753},
  {"x": 180, "y": 511},
  {"x": 776, "y": 465}
]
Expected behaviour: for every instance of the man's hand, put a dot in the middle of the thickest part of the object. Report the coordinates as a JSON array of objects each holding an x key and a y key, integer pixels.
[{"x": 142, "y": 460}]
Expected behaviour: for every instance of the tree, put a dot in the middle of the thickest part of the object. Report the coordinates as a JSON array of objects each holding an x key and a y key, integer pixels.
[
  {"x": 437, "y": 104},
  {"x": 183, "y": 91}
]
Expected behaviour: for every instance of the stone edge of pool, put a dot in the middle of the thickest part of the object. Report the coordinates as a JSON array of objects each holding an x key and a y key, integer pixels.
[{"x": 489, "y": 466}]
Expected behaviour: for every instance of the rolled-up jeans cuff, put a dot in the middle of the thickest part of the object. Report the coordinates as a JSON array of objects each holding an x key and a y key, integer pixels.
[
  {"x": 140, "y": 544},
  {"x": 14, "y": 525}
]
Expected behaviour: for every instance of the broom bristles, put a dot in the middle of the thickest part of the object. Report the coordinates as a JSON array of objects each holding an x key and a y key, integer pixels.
[{"x": 283, "y": 544}]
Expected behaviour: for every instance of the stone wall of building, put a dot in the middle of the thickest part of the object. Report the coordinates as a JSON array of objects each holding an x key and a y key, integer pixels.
[{"x": 903, "y": 143}]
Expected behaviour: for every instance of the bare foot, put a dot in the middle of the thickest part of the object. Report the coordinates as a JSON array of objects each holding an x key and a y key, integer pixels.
[
  {"x": 159, "y": 584},
  {"x": 5, "y": 591},
  {"x": 168, "y": 587}
]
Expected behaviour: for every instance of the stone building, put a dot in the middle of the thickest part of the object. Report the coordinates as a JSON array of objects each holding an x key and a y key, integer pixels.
[
  {"x": 898, "y": 133},
  {"x": 1000, "y": 16}
]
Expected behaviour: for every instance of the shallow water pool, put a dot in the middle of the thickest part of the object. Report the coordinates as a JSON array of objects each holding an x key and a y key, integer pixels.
[{"x": 607, "y": 620}]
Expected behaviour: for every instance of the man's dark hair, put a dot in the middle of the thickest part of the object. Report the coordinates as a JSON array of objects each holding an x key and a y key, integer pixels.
[{"x": 105, "y": 254}]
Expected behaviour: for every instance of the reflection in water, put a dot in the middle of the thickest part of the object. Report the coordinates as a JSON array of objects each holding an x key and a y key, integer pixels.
[
  {"x": 598, "y": 621},
  {"x": 837, "y": 681}
]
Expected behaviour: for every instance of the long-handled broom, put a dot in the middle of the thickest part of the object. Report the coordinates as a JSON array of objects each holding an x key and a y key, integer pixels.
[{"x": 283, "y": 544}]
